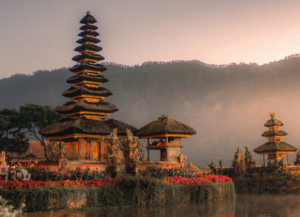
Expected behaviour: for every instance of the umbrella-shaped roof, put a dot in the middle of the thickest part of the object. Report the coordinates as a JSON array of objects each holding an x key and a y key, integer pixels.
[
  {"x": 165, "y": 126},
  {"x": 84, "y": 126},
  {"x": 275, "y": 147}
]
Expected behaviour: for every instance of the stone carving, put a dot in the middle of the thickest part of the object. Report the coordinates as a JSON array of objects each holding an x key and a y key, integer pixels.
[
  {"x": 238, "y": 161},
  {"x": 131, "y": 152},
  {"x": 212, "y": 166},
  {"x": 297, "y": 160},
  {"x": 3, "y": 163},
  {"x": 181, "y": 159},
  {"x": 249, "y": 162},
  {"x": 112, "y": 152},
  {"x": 22, "y": 174},
  {"x": 282, "y": 163}
]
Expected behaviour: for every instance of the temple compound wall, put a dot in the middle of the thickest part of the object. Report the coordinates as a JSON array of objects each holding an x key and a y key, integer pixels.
[{"x": 125, "y": 194}]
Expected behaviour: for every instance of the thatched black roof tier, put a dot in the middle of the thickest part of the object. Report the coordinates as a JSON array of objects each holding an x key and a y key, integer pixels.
[
  {"x": 87, "y": 33},
  {"x": 274, "y": 133},
  {"x": 274, "y": 147},
  {"x": 273, "y": 122},
  {"x": 88, "y": 27},
  {"x": 83, "y": 125},
  {"x": 88, "y": 47},
  {"x": 84, "y": 77},
  {"x": 85, "y": 90},
  {"x": 88, "y": 39},
  {"x": 165, "y": 125},
  {"x": 87, "y": 66},
  {"x": 88, "y": 19},
  {"x": 83, "y": 106},
  {"x": 89, "y": 56}
]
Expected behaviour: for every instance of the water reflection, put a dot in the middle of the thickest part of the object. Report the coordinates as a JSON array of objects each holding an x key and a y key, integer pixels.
[{"x": 245, "y": 205}]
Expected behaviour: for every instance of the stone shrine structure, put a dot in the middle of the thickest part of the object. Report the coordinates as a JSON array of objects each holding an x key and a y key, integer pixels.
[
  {"x": 274, "y": 148},
  {"x": 249, "y": 162},
  {"x": 167, "y": 135},
  {"x": 238, "y": 162}
]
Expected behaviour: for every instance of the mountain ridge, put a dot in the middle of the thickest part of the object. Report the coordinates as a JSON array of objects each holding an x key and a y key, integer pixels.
[{"x": 226, "y": 106}]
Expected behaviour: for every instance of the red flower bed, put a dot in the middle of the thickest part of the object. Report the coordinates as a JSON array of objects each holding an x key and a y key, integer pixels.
[
  {"x": 32, "y": 183},
  {"x": 200, "y": 179}
]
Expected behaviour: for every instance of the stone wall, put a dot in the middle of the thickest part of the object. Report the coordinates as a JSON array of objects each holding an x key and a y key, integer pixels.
[{"x": 125, "y": 194}]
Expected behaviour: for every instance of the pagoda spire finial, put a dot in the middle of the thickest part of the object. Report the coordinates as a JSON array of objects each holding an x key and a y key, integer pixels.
[
  {"x": 272, "y": 114},
  {"x": 88, "y": 13}
]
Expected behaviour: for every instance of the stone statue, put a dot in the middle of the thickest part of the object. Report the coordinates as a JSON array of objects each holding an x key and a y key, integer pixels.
[
  {"x": 22, "y": 174},
  {"x": 238, "y": 161},
  {"x": 249, "y": 162},
  {"x": 3, "y": 163},
  {"x": 212, "y": 166},
  {"x": 182, "y": 159}
]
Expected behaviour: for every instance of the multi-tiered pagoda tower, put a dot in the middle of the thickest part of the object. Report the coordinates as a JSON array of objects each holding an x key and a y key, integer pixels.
[
  {"x": 84, "y": 128},
  {"x": 275, "y": 148}
]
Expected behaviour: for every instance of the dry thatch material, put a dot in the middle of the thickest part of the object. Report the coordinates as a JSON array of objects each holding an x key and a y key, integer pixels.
[
  {"x": 88, "y": 55},
  {"x": 88, "y": 39},
  {"x": 76, "y": 91},
  {"x": 84, "y": 77},
  {"x": 87, "y": 33},
  {"x": 90, "y": 27},
  {"x": 82, "y": 125},
  {"x": 88, "y": 47},
  {"x": 165, "y": 125},
  {"x": 273, "y": 122},
  {"x": 274, "y": 133},
  {"x": 275, "y": 146},
  {"x": 88, "y": 18},
  {"x": 87, "y": 66},
  {"x": 83, "y": 105}
]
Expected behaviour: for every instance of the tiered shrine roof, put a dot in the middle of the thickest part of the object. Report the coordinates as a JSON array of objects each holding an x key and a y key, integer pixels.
[
  {"x": 72, "y": 128},
  {"x": 84, "y": 115},
  {"x": 275, "y": 147},
  {"x": 82, "y": 106}
]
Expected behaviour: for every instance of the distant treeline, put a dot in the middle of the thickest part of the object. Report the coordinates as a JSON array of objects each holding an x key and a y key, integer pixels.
[{"x": 226, "y": 106}]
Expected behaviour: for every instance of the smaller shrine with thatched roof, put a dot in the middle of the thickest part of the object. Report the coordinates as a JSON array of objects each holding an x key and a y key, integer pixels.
[
  {"x": 166, "y": 135},
  {"x": 275, "y": 148}
]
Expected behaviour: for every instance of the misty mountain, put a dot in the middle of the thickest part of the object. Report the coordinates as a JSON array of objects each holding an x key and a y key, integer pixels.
[{"x": 226, "y": 106}]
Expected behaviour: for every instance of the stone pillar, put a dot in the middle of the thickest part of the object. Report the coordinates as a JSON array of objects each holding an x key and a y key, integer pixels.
[{"x": 148, "y": 154}]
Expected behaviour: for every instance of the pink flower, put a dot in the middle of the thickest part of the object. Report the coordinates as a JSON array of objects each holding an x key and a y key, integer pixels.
[
  {"x": 96, "y": 168},
  {"x": 79, "y": 166},
  {"x": 191, "y": 169}
]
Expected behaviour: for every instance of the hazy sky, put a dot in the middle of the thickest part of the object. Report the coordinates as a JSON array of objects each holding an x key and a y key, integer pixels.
[{"x": 39, "y": 34}]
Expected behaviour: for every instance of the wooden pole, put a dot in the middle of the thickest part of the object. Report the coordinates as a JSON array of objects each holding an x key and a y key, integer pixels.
[
  {"x": 264, "y": 160},
  {"x": 287, "y": 159}
]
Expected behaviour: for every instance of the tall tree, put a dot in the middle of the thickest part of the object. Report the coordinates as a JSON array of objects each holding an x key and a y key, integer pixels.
[
  {"x": 11, "y": 137},
  {"x": 35, "y": 117}
]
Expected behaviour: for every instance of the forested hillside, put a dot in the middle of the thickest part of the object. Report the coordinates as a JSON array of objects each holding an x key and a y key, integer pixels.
[{"x": 226, "y": 106}]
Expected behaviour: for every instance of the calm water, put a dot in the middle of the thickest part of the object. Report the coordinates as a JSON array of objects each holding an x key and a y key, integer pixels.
[{"x": 243, "y": 206}]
